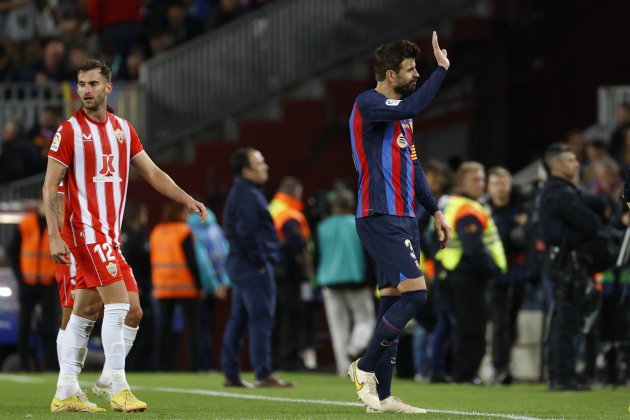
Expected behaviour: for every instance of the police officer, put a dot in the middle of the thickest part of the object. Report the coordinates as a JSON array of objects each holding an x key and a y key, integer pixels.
[{"x": 567, "y": 225}]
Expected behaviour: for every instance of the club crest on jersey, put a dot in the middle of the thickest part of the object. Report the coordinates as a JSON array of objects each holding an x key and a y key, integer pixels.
[
  {"x": 112, "y": 269},
  {"x": 120, "y": 136},
  {"x": 56, "y": 141},
  {"x": 107, "y": 173},
  {"x": 401, "y": 141}
]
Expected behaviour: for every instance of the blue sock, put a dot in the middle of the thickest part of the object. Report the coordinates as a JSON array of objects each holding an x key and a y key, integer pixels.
[
  {"x": 386, "y": 364},
  {"x": 390, "y": 325},
  {"x": 385, "y": 371}
]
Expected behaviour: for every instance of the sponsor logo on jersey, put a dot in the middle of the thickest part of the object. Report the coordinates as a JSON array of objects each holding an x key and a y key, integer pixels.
[
  {"x": 56, "y": 141},
  {"x": 392, "y": 102},
  {"x": 107, "y": 172},
  {"x": 88, "y": 137}
]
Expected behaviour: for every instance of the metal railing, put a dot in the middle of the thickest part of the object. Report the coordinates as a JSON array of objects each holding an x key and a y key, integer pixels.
[
  {"x": 227, "y": 70},
  {"x": 26, "y": 101}
]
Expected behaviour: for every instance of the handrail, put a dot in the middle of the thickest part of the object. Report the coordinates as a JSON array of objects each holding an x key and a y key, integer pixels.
[{"x": 212, "y": 77}]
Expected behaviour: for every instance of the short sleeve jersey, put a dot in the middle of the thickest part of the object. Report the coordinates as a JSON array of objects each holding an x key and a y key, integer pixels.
[{"x": 97, "y": 156}]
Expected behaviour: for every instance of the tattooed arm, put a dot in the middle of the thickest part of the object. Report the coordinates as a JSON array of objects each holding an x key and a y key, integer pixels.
[{"x": 53, "y": 208}]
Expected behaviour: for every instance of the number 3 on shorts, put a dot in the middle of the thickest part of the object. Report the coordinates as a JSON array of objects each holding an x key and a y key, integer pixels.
[{"x": 105, "y": 252}]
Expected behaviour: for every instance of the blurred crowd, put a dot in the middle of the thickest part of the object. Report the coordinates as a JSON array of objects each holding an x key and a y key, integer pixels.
[{"x": 43, "y": 40}]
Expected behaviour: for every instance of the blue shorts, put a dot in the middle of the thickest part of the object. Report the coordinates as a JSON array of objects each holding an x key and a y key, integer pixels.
[{"x": 393, "y": 242}]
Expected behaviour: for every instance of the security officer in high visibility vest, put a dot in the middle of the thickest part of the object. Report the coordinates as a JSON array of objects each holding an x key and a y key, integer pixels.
[
  {"x": 293, "y": 332},
  {"x": 176, "y": 282},
  {"x": 567, "y": 225},
  {"x": 474, "y": 256},
  {"x": 34, "y": 270}
]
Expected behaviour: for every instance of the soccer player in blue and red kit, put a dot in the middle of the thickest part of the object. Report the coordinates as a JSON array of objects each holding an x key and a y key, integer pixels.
[{"x": 390, "y": 180}]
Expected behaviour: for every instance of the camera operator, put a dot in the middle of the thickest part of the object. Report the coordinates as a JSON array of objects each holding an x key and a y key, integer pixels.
[{"x": 567, "y": 226}]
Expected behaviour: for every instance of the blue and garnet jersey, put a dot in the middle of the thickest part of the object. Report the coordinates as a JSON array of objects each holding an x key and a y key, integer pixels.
[{"x": 381, "y": 131}]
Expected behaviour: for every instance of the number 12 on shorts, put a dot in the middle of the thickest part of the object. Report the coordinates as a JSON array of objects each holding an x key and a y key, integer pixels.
[{"x": 105, "y": 252}]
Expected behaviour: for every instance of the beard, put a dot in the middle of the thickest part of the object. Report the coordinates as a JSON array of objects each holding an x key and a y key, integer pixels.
[
  {"x": 94, "y": 106},
  {"x": 405, "y": 90}
]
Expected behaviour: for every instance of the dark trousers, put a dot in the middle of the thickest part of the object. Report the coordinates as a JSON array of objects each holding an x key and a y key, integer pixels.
[
  {"x": 142, "y": 356},
  {"x": 565, "y": 325},
  {"x": 47, "y": 297},
  {"x": 506, "y": 302},
  {"x": 168, "y": 343},
  {"x": 253, "y": 308},
  {"x": 290, "y": 326},
  {"x": 469, "y": 313}
]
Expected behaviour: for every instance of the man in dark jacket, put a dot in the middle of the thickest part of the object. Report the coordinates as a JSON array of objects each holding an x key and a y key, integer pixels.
[
  {"x": 253, "y": 251},
  {"x": 567, "y": 225}
]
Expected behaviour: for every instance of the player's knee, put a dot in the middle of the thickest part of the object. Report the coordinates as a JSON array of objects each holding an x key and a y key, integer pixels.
[
  {"x": 88, "y": 310},
  {"x": 134, "y": 316},
  {"x": 417, "y": 298}
]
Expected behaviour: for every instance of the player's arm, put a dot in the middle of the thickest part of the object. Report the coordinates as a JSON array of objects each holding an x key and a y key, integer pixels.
[
  {"x": 53, "y": 209},
  {"x": 165, "y": 185},
  {"x": 427, "y": 200}
]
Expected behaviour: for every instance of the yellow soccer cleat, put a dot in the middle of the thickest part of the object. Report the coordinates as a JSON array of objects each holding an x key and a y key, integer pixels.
[
  {"x": 74, "y": 403},
  {"x": 126, "y": 402}
]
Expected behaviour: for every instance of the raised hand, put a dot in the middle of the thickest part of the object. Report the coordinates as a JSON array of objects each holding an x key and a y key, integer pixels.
[{"x": 440, "y": 54}]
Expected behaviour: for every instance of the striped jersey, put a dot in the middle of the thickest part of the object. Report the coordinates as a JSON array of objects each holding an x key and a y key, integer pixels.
[
  {"x": 97, "y": 156},
  {"x": 381, "y": 133}
]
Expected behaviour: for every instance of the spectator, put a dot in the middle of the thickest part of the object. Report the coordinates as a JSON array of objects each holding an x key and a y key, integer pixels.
[
  {"x": 116, "y": 22},
  {"x": 19, "y": 157},
  {"x": 341, "y": 272},
  {"x": 224, "y": 12},
  {"x": 52, "y": 66},
  {"x": 43, "y": 132},
  {"x": 183, "y": 27}
]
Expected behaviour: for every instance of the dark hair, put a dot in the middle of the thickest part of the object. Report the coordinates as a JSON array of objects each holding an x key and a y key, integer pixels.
[
  {"x": 92, "y": 64},
  {"x": 552, "y": 152},
  {"x": 240, "y": 160},
  {"x": 344, "y": 200},
  {"x": 289, "y": 185},
  {"x": 390, "y": 56},
  {"x": 172, "y": 210}
]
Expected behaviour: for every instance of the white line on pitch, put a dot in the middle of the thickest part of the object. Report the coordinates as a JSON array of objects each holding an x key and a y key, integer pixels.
[
  {"x": 322, "y": 402},
  {"x": 20, "y": 378}
]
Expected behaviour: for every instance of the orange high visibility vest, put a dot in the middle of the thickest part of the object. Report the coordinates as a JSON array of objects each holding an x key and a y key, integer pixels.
[
  {"x": 36, "y": 264},
  {"x": 284, "y": 208},
  {"x": 172, "y": 278}
]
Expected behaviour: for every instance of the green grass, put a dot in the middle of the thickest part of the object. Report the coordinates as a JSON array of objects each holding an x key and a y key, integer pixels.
[{"x": 201, "y": 396}]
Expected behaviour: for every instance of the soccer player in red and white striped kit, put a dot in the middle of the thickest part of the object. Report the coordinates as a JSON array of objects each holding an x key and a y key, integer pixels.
[{"x": 91, "y": 153}]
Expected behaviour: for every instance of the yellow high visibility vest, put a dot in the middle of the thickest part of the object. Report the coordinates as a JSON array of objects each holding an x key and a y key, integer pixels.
[{"x": 457, "y": 207}]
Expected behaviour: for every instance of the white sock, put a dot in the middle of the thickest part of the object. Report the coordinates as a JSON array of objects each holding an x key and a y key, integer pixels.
[
  {"x": 73, "y": 352},
  {"x": 59, "y": 343},
  {"x": 129, "y": 336},
  {"x": 114, "y": 344}
]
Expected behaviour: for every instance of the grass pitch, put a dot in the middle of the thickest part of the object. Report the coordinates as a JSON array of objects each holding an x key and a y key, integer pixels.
[{"x": 316, "y": 396}]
